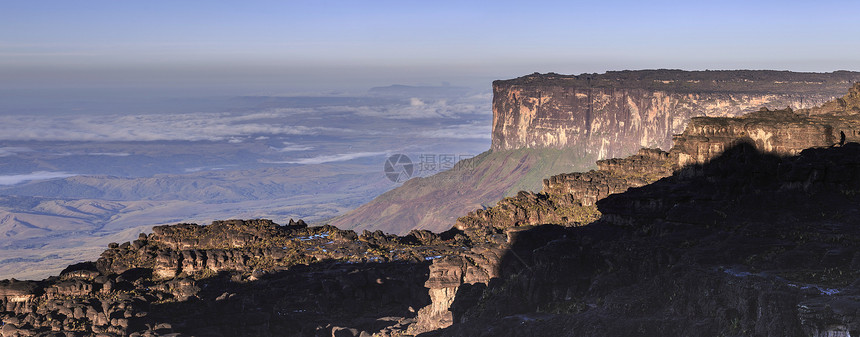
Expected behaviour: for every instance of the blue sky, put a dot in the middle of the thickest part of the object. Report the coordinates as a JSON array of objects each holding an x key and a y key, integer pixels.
[{"x": 291, "y": 45}]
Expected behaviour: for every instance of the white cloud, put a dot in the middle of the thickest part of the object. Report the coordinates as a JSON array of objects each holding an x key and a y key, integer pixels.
[
  {"x": 468, "y": 131},
  {"x": 154, "y": 127},
  {"x": 224, "y": 126},
  {"x": 421, "y": 109},
  {"x": 484, "y": 96},
  {"x": 110, "y": 154},
  {"x": 40, "y": 175},
  {"x": 328, "y": 158},
  {"x": 13, "y": 150},
  {"x": 290, "y": 147}
]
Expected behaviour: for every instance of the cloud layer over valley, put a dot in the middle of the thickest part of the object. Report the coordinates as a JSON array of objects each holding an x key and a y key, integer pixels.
[
  {"x": 271, "y": 157},
  {"x": 41, "y": 175},
  {"x": 230, "y": 126}
]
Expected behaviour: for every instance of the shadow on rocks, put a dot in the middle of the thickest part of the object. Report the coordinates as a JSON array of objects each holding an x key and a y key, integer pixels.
[{"x": 747, "y": 244}]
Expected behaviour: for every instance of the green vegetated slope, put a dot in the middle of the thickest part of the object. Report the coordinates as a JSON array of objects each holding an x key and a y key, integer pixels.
[{"x": 434, "y": 203}]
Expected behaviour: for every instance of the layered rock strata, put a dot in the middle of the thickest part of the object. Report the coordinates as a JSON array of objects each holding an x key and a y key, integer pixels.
[
  {"x": 574, "y": 199},
  {"x": 547, "y": 124},
  {"x": 615, "y": 113}
]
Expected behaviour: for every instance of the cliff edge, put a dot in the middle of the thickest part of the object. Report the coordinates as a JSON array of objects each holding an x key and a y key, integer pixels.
[
  {"x": 615, "y": 113},
  {"x": 547, "y": 124}
]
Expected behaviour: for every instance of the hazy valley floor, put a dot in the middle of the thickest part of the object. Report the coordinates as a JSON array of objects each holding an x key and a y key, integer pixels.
[{"x": 72, "y": 181}]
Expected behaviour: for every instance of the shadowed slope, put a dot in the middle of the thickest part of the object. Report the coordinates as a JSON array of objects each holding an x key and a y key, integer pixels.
[{"x": 747, "y": 244}]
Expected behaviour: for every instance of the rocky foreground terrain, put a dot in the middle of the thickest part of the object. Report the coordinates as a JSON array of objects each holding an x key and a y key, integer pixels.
[
  {"x": 746, "y": 227},
  {"x": 233, "y": 278}
]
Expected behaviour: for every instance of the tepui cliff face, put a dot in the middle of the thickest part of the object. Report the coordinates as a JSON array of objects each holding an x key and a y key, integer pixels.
[
  {"x": 746, "y": 222},
  {"x": 613, "y": 114},
  {"x": 547, "y": 124},
  {"x": 570, "y": 199}
]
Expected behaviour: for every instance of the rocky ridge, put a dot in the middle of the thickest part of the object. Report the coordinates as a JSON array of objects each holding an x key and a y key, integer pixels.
[
  {"x": 716, "y": 175},
  {"x": 780, "y": 132},
  {"x": 548, "y": 124},
  {"x": 731, "y": 232},
  {"x": 233, "y": 278},
  {"x": 613, "y": 114},
  {"x": 747, "y": 244}
]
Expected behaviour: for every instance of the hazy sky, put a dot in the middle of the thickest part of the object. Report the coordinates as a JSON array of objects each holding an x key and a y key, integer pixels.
[{"x": 290, "y": 45}]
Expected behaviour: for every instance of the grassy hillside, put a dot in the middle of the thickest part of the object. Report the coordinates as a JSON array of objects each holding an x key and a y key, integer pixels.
[{"x": 434, "y": 203}]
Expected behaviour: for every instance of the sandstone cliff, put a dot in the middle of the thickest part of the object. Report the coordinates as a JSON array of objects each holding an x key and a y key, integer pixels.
[
  {"x": 749, "y": 244},
  {"x": 614, "y": 114},
  {"x": 726, "y": 208},
  {"x": 570, "y": 199},
  {"x": 549, "y": 124}
]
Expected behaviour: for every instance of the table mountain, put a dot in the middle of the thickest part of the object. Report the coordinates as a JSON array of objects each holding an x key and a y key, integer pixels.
[{"x": 547, "y": 124}]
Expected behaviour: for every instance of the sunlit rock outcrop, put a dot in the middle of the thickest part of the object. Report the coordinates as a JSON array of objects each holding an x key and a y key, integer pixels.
[
  {"x": 615, "y": 113},
  {"x": 547, "y": 124}
]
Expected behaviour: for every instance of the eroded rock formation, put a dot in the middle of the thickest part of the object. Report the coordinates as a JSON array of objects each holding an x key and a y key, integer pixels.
[
  {"x": 547, "y": 124},
  {"x": 569, "y": 199},
  {"x": 696, "y": 182},
  {"x": 747, "y": 244},
  {"x": 615, "y": 113},
  {"x": 251, "y": 278}
]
